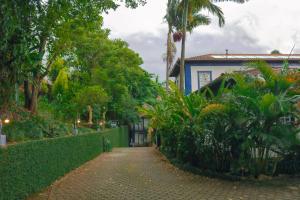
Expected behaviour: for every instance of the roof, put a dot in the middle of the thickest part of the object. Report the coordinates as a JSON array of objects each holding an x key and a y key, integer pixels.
[
  {"x": 239, "y": 58},
  {"x": 245, "y": 57}
]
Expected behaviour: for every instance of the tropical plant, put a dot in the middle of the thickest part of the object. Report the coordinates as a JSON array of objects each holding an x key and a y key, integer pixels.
[
  {"x": 243, "y": 130},
  {"x": 190, "y": 19},
  {"x": 174, "y": 19},
  {"x": 176, "y": 113},
  {"x": 267, "y": 104}
]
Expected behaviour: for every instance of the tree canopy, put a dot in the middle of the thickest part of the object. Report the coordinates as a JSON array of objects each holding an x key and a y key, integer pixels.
[{"x": 59, "y": 47}]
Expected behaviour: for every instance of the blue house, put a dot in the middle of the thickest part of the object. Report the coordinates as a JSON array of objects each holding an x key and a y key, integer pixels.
[{"x": 201, "y": 70}]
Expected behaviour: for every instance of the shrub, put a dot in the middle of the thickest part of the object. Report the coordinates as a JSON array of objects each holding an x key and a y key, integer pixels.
[
  {"x": 35, "y": 128},
  {"x": 239, "y": 130},
  {"x": 61, "y": 83},
  {"x": 39, "y": 163}
]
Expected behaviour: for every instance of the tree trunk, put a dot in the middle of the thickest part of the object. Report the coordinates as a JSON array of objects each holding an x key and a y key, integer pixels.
[
  {"x": 27, "y": 95},
  {"x": 17, "y": 93},
  {"x": 90, "y": 110},
  {"x": 186, "y": 5},
  {"x": 169, "y": 52},
  {"x": 34, "y": 97},
  {"x": 49, "y": 93},
  {"x": 38, "y": 77}
]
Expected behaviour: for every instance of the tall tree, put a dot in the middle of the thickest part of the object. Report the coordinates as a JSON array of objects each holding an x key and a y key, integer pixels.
[
  {"x": 174, "y": 19},
  {"x": 15, "y": 17},
  {"x": 49, "y": 17},
  {"x": 189, "y": 7},
  {"x": 171, "y": 17},
  {"x": 97, "y": 60}
]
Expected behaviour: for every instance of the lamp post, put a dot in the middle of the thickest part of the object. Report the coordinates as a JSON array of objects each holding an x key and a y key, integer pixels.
[
  {"x": 101, "y": 124},
  {"x": 3, "y": 141},
  {"x": 6, "y": 121},
  {"x": 75, "y": 126},
  {"x": 98, "y": 125}
]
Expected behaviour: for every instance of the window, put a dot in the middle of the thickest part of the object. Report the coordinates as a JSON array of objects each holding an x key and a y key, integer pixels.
[{"x": 204, "y": 78}]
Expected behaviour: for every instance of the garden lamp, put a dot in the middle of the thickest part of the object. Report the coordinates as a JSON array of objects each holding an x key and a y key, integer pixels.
[
  {"x": 0, "y": 126},
  {"x": 102, "y": 124},
  {"x": 2, "y": 137},
  {"x": 7, "y": 120},
  {"x": 78, "y": 119}
]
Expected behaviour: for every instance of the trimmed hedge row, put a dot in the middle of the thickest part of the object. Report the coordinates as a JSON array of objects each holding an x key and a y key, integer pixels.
[{"x": 29, "y": 167}]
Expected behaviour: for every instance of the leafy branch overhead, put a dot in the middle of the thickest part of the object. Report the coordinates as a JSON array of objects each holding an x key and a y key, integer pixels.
[{"x": 59, "y": 55}]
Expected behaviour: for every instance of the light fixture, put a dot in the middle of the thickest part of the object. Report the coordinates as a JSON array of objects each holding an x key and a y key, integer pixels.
[
  {"x": 78, "y": 121},
  {"x": 6, "y": 121}
]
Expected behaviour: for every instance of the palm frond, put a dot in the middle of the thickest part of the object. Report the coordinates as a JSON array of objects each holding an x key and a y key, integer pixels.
[
  {"x": 171, "y": 16},
  {"x": 265, "y": 70},
  {"x": 197, "y": 20},
  {"x": 199, "y": 5},
  {"x": 215, "y": 10}
]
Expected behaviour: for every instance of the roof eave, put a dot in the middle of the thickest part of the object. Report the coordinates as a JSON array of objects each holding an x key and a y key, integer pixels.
[{"x": 175, "y": 70}]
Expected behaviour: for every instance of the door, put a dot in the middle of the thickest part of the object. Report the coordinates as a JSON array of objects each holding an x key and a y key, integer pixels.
[{"x": 139, "y": 133}]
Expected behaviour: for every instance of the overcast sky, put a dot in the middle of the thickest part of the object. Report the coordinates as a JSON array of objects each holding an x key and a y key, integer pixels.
[{"x": 258, "y": 26}]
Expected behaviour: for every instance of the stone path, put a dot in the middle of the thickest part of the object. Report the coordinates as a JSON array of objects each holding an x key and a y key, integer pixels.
[{"x": 142, "y": 173}]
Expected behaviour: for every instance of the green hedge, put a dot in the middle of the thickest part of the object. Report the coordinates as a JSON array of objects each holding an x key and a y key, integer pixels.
[{"x": 29, "y": 167}]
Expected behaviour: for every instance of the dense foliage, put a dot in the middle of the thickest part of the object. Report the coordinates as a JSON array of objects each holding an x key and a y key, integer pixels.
[
  {"x": 243, "y": 130},
  {"x": 35, "y": 128},
  {"x": 58, "y": 62},
  {"x": 39, "y": 163}
]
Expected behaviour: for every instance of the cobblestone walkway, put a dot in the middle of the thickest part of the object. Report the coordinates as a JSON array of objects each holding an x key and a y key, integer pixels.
[{"x": 142, "y": 173}]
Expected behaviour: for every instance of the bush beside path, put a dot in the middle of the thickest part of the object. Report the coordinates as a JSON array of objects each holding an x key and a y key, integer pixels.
[{"x": 29, "y": 167}]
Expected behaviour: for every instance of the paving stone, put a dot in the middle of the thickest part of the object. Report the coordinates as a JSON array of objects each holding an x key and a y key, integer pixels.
[{"x": 142, "y": 174}]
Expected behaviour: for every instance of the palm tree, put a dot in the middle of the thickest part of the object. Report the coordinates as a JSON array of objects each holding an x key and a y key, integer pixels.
[
  {"x": 190, "y": 7},
  {"x": 174, "y": 20},
  {"x": 171, "y": 18}
]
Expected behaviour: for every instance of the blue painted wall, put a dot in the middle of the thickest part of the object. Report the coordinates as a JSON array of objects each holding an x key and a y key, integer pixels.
[
  {"x": 188, "y": 79},
  {"x": 188, "y": 66}
]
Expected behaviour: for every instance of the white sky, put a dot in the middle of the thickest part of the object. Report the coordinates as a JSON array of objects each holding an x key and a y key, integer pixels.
[{"x": 258, "y": 26}]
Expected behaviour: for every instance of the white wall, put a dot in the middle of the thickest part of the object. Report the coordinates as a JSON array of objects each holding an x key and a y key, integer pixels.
[{"x": 216, "y": 72}]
